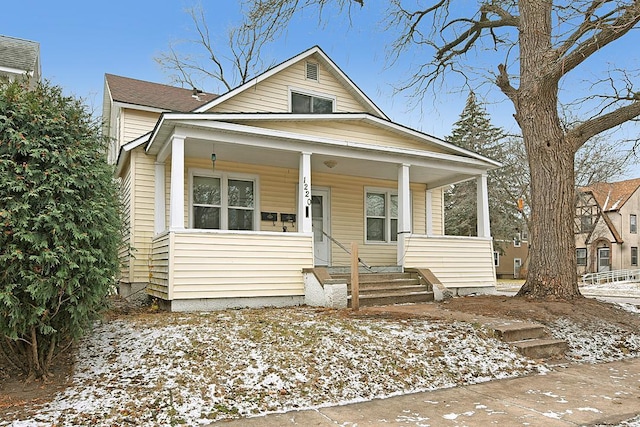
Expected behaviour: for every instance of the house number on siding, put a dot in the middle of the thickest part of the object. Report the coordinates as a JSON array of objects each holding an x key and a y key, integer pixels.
[{"x": 307, "y": 195}]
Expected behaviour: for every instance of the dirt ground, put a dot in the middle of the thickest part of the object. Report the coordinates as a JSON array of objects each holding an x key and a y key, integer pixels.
[{"x": 25, "y": 398}]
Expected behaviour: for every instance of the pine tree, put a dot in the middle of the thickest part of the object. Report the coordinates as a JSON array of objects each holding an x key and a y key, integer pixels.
[
  {"x": 474, "y": 131},
  {"x": 59, "y": 224}
]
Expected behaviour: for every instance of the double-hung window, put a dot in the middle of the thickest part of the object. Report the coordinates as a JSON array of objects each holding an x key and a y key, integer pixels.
[
  {"x": 381, "y": 212},
  {"x": 633, "y": 223},
  {"x": 634, "y": 256},
  {"x": 223, "y": 202},
  {"x": 581, "y": 256}
]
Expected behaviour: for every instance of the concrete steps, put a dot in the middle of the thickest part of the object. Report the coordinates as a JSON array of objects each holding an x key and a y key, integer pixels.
[
  {"x": 531, "y": 340},
  {"x": 387, "y": 288}
]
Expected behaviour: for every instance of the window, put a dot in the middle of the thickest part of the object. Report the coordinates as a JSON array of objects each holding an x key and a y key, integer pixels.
[
  {"x": 223, "y": 203},
  {"x": 634, "y": 255},
  {"x": 633, "y": 223},
  {"x": 525, "y": 235},
  {"x": 496, "y": 259},
  {"x": 302, "y": 103},
  {"x": 381, "y": 213},
  {"x": 517, "y": 241},
  {"x": 586, "y": 223},
  {"x": 581, "y": 256}
]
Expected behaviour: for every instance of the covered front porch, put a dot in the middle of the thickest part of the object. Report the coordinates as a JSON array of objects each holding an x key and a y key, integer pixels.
[{"x": 241, "y": 210}]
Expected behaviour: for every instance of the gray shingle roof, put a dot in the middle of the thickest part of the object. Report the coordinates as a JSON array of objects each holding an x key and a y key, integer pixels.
[
  {"x": 148, "y": 94},
  {"x": 19, "y": 54}
]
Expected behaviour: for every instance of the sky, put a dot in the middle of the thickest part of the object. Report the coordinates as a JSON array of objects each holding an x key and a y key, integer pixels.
[{"x": 80, "y": 41}]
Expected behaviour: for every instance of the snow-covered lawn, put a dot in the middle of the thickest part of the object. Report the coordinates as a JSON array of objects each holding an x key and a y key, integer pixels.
[{"x": 190, "y": 369}]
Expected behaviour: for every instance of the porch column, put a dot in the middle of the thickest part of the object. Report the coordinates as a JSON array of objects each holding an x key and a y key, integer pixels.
[
  {"x": 429, "y": 210},
  {"x": 482, "y": 191},
  {"x": 304, "y": 196},
  {"x": 160, "y": 208},
  {"x": 404, "y": 211},
  {"x": 176, "y": 213}
]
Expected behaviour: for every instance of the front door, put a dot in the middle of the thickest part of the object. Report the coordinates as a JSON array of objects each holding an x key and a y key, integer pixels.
[
  {"x": 603, "y": 259},
  {"x": 517, "y": 264},
  {"x": 320, "y": 223}
]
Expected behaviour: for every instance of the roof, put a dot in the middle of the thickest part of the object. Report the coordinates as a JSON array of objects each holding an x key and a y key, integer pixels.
[
  {"x": 19, "y": 54},
  {"x": 612, "y": 196},
  {"x": 318, "y": 54},
  {"x": 155, "y": 95}
]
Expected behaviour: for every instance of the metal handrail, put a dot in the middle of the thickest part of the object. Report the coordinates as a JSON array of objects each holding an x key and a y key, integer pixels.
[
  {"x": 611, "y": 276},
  {"x": 364, "y": 264}
]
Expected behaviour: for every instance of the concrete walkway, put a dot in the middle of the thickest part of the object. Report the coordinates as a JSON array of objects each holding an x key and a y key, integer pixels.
[{"x": 569, "y": 395}]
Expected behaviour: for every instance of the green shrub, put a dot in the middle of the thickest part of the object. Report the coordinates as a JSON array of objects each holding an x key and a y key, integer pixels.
[{"x": 59, "y": 224}]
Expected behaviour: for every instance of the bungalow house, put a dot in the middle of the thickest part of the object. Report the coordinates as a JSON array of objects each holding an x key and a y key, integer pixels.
[
  {"x": 19, "y": 57},
  {"x": 511, "y": 263},
  {"x": 607, "y": 226},
  {"x": 233, "y": 200}
]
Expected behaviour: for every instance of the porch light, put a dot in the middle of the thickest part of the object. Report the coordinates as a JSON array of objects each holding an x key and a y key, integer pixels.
[
  {"x": 330, "y": 163},
  {"x": 213, "y": 161}
]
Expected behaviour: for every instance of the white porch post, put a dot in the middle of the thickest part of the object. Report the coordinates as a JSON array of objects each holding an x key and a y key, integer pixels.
[
  {"x": 482, "y": 190},
  {"x": 429, "y": 210},
  {"x": 404, "y": 211},
  {"x": 304, "y": 196},
  {"x": 159, "y": 223},
  {"x": 176, "y": 213}
]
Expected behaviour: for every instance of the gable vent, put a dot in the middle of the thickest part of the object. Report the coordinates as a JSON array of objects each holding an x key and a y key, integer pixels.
[{"x": 312, "y": 71}]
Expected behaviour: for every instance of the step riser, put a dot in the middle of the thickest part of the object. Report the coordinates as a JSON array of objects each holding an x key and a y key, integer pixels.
[
  {"x": 387, "y": 285},
  {"x": 544, "y": 351},
  {"x": 376, "y": 277},
  {"x": 400, "y": 299},
  {"x": 521, "y": 334}
]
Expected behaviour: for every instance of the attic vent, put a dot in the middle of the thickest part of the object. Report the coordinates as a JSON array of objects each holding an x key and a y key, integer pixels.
[{"x": 312, "y": 71}]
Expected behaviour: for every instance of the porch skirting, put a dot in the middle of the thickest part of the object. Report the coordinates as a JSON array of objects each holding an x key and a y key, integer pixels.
[{"x": 211, "y": 304}]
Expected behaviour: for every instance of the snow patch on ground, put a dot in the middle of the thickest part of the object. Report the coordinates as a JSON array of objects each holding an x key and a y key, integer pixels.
[{"x": 165, "y": 370}]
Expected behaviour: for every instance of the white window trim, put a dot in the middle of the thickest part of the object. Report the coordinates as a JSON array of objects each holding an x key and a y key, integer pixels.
[
  {"x": 333, "y": 98},
  {"x": 224, "y": 190},
  {"x": 496, "y": 259},
  {"x": 388, "y": 193}
]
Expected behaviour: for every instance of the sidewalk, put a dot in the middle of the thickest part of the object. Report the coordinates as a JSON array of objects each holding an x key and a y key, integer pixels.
[{"x": 572, "y": 395}]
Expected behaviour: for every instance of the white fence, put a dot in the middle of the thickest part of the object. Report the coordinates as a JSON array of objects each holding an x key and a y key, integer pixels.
[{"x": 611, "y": 276}]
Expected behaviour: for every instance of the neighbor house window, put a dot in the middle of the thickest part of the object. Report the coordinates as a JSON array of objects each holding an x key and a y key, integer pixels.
[
  {"x": 496, "y": 259},
  {"x": 586, "y": 223},
  {"x": 307, "y": 103},
  {"x": 381, "y": 212},
  {"x": 633, "y": 223},
  {"x": 581, "y": 256},
  {"x": 517, "y": 241},
  {"x": 634, "y": 255},
  {"x": 223, "y": 202}
]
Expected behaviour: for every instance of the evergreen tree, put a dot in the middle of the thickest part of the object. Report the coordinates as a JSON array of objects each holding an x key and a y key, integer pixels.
[
  {"x": 474, "y": 131},
  {"x": 59, "y": 224}
]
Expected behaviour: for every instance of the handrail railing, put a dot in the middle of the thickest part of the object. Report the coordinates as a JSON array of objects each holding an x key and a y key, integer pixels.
[
  {"x": 611, "y": 276},
  {"x": 364, "y": 264}
]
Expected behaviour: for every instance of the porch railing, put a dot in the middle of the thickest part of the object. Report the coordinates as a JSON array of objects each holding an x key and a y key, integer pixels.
[
  {"x": 612, "y": 276},
  {"x": 341, "y": 246}
]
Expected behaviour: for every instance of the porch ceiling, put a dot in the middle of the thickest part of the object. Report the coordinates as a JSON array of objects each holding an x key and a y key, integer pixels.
[{"x": 322, "y": 163}]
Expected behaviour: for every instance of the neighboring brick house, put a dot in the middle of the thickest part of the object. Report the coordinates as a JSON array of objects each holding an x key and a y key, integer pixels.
[{"x": 607, "y": 226}]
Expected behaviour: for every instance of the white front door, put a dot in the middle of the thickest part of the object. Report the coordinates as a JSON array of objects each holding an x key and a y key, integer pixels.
[
  {"x": 603, "y": 259},
  {"x": 320, "y": 223},
  {"x": 517, "y": 264}
]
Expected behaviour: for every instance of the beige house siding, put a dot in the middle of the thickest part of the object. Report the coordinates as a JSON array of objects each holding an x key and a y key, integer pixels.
[
  {"x": 222, "y": 264},
  {"x": 143, "y": 212},
  {"x": 278, "y": 187},
  {"x": 351, "y": 131},
  {"x": 471, "y": 267},
  {"x": 125, "y": 250},
  {"x": 160, "y": 270},
  {"x": 136, "y": 123},
  {"x": 272, "y": 94},
  {"x": 437, "y": 213}
]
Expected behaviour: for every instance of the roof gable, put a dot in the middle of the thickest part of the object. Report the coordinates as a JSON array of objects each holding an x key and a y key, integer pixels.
[
  {"x": 612, "y": 196},
  {"x": 154, "y": 95},
  {"x": 314, "y": 54},
  {"x": 19, "y": 54}
]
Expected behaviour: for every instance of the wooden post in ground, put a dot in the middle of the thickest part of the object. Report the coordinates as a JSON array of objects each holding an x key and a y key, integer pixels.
[{"x": 355, "y": 302}]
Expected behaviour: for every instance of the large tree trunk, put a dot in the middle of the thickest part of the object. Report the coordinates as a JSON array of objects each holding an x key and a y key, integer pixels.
[{"x": 552, "y": 262}]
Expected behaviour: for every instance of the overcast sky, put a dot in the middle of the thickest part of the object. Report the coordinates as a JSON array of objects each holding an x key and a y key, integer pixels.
[{"x": 80, "y": 41}]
